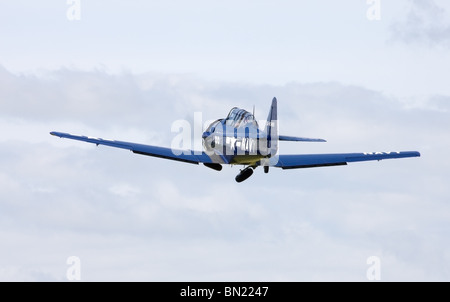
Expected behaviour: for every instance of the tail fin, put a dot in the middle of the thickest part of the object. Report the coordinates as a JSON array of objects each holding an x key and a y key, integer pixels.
[{"x": 271, "y": 129}]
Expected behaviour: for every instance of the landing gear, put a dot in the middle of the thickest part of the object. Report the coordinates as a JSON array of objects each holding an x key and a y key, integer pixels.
[
  {"x": 246, "y": 173},
  {"x": 266, "y": 169}
]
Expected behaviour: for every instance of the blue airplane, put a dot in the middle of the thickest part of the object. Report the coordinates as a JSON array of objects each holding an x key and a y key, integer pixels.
[{"x": 238, "y": 140}]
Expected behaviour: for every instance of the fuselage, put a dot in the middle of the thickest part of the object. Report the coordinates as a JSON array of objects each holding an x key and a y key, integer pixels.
[{"x": 237, "y": 137}]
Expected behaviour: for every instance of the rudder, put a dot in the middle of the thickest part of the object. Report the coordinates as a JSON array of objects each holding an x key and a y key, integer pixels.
[{"x": 271, "y": 129}]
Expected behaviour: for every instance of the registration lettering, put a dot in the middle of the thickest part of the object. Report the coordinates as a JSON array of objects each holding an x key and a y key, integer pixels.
[{"x": 381, "y": 153}]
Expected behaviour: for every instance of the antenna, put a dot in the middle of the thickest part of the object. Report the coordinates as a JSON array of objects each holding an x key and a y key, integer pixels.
[{"x": 253, "y": 111}]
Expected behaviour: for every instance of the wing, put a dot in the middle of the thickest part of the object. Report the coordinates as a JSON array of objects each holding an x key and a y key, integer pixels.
[
  {"x": 324, "y": 160},
  {"x": 299, "y": 139},
  {"x": 188, "y": 156}
]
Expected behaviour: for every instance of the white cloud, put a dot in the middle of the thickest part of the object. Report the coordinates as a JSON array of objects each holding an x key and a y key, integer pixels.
[
  {"x": 425, "y": 23},
  {"x": 131, "y": 217},
  {"x": 124, "y": 190}
]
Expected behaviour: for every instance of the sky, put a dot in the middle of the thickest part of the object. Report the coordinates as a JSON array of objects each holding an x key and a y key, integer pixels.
[{"x": 363, "y": 76}]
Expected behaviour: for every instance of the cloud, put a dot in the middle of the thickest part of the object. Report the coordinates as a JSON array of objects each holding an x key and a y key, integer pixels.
[
  {"x": 132, "y": 217},
  {"x": 425, "y": 23}
]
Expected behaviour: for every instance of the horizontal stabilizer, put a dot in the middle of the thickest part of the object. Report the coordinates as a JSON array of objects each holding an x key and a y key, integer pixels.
[{"x": 299, "y": 139}]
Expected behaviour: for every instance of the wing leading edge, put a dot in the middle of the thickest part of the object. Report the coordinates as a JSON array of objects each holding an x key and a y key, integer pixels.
[
  {"x": 298, "y": 161},
  {"x": 187, "y": 156},
  {"x": 299, "y": 139}
]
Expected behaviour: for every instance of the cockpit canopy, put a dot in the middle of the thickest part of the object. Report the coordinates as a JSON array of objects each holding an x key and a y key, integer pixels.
[{"x": 240, "y": 118}]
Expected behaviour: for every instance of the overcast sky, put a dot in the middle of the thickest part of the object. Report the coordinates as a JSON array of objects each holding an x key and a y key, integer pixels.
[{"x": 127, "y": 71}]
